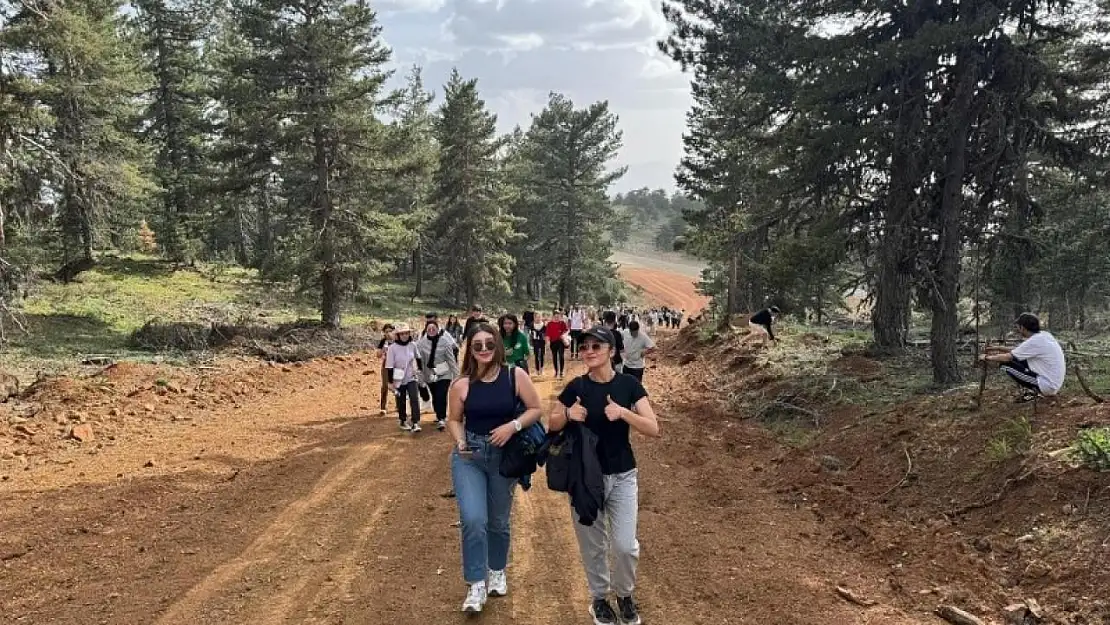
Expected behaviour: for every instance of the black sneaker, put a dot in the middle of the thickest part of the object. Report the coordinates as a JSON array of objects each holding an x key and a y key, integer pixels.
[
  {"x": 629, "y": 614},
  {"x": 603, "y": 612}
]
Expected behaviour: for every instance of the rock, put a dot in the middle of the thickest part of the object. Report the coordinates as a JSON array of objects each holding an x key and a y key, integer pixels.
[
  {"x": 982, "y": 545},
  {"x": 1036, "y": 570},
  {"x": 149, "y": 464},
  {"x": 82, "y": 432},
  {"x": 148, "y": 407},
  {"x": 9, "y": 386},
  {"x": 15, "y": 420},
  {"x": 832, "y": 463},
  {"x": 957, "y": 616}
]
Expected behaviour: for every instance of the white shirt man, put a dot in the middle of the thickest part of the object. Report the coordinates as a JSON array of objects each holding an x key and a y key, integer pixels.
[{"x": 1037, "y": 365}]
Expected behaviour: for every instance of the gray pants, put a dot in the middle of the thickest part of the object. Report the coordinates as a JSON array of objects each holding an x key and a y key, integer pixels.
[{"x": 613, "y": 533}]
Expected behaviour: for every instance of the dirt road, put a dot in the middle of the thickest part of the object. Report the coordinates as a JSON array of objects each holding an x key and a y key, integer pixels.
[{"x": 257, "y": 494}]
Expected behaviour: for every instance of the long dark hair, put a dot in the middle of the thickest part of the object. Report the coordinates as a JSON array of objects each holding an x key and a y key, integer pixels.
[
  {"x": 471, "y": 368},
  {"x": 516, "y": 326}
]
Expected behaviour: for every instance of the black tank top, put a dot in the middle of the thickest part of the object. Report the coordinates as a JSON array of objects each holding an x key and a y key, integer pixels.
[{"x": 489, "y": 404}]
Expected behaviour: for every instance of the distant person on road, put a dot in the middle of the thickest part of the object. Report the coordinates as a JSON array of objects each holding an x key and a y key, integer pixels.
[
  {"x": 538, "y": 336},
  {"x": 610, "y": 405},
  {"x": 1037, "y": 365},
  {"x": 383, "y": 347},
  {"x": 557, "y": 333},
  {"x": 455, "y": 329},
  {"x": 760, "y": 326},
  {"x": 481, "y": 417},
  {"x": 439, "y": 357},
  {"x": 577, "y": 325},
  {"x": 403, "y": 364},
  {"x": 637, "y": 345},
  {"x": 609, "y": 320},
  {"x": 516, "y": 342},
  {"x": 474, "y": 320}
]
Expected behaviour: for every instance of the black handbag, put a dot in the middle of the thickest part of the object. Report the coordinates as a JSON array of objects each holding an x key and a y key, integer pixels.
[
  {"x": 519, "y": 455},
  {"x": 559, "y": 454}
]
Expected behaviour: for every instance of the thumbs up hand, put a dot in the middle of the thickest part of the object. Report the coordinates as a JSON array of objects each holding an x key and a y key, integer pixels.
[
  {"x": 613, "y": 410},
  {"x": 577, "y": 412}
]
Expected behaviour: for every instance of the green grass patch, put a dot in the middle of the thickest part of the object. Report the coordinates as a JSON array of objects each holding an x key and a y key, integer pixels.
[{"x": 97, "y": 313}]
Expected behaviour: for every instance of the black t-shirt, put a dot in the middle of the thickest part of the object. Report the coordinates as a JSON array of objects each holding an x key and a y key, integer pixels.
[
  {"x": 762, "y": 318},
  {"x": 529, "y": 318},
  {"x": 614, "y": 447}
]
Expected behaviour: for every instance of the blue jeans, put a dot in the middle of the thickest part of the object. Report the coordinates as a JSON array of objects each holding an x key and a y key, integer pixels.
[{"x": 485, "y": 501}]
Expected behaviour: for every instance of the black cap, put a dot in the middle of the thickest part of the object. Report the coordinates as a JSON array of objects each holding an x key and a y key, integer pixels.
[
  {"x": 601, "y": 333},
  {"x": 431, "y": 315}
]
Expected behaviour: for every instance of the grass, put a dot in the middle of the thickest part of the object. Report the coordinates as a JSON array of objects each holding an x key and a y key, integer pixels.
[{"x": 98, "y": 313}]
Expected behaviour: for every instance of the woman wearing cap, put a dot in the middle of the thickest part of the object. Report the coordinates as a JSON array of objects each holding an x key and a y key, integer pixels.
[
  {"x": 481, "y": 417},
  {"x": 610, "y": 405},
  {"x": 440, "y": 366},
  {"x": 402, "y": 362}
]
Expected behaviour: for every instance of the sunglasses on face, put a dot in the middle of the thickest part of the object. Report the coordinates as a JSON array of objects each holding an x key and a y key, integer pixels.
[
  {"x": 593, "y": 347},
  {"x": 484, "y": 346}
]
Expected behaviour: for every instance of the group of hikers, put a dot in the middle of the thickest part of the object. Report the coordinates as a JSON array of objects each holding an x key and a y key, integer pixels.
[
  {"x": 490, "y": 406},
  {"x": 479, "y": 379}
]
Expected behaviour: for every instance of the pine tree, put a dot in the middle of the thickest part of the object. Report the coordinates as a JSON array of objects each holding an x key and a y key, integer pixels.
[
  {"x": 471, "y": 224},
  {"x": 323, "y": 63},
  {"x": 88, "y": 84},
  {"x": 570, "y": 152},
  {"x": 411, "y": 144},
  {"x": 173, "y": 32}
]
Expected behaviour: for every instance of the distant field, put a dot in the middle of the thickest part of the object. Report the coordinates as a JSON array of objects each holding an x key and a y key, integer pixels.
[{"x": 661, "y": 261}]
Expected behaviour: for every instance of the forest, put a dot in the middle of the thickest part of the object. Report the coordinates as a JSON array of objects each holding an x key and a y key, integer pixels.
[
  {"x": 949, "y": 159},
  {"x": 264, "y": 134}
]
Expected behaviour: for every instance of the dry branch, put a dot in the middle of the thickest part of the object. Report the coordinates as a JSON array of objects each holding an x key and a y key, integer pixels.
[
  {"x": 905, "y": 478},
  {"x": 957, "y": 616}
]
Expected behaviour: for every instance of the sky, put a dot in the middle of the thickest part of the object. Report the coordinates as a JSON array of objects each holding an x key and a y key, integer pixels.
[{"x": 521, "y": 50}]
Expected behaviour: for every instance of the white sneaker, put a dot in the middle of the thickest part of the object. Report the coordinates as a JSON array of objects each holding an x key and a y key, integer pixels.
[
  {"x": 405, "y": 426},
  {"x": 498, "y": 584},
  {"x": 415, "y": 427},
  {"x": 475, "y": 598},
  {"x": 441, "y": 425}
]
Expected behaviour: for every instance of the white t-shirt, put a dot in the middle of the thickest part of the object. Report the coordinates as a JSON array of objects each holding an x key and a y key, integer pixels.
[
  {"x": 577, "y": 320},
  {"x": 402, "y": 358},
  {"x": 634, "y": 347},
  {"x": 1045, "y": 358}
]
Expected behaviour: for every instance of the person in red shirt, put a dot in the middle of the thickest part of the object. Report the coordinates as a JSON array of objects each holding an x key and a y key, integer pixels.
[{"x": 557, "y": 332}]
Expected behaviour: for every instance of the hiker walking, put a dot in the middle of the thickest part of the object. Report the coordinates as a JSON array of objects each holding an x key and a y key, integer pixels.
[
  {"x": 403, "y": 363},
  {"x": 609, "y": 320},
  {"x": 474, "y": 320},
  {"x": 383, "y": 347},
  {"x": 610, "y": 405},
  {"x": 539, "y": 342},
  {"x": 516, "y": 342},
  {"x": 759, "y": 325},
  {"x": 557, "y": 332},
  {"x": 454, "y": 328},
  {"x": 637, "y": 345},
  {"x": 1037, "y": 365},
  {"x": 482, "y": 418},
  {"x": 577, "y": 325},
  {"x": 439, "y": 356}
]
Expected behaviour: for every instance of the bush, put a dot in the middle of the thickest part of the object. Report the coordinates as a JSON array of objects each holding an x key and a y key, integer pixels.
[{"x": 1092, "y": 448}]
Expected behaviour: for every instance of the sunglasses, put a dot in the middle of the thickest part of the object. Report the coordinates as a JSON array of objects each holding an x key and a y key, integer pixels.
[
  {"x": 593, "y": 347},
  {"x": 483, "y": 347}
]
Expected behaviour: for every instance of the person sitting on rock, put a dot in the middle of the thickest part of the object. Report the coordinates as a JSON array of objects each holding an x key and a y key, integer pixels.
[{"x": 1037, "y": 365}]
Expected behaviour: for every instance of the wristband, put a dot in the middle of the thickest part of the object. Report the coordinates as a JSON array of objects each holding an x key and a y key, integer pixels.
[{"x": 517, "y": 425}]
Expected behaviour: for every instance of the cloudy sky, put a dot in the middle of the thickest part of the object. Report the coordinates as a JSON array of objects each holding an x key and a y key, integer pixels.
[{"x": 520, "y": 50}]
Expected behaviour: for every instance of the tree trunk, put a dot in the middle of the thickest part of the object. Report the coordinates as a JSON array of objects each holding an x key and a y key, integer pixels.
[
  {"x": 733, "y": 303},
  {"x": 946, "y": 275},
  {"x": 329, "y": 271},
  {"x": 418, "y": 269}
]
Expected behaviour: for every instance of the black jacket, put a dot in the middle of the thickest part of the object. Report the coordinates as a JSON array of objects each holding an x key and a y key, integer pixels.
[{"x": 574, "y": 467}]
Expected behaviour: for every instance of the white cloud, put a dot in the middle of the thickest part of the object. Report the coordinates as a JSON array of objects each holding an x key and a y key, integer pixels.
[{"x": 589, "y": 50}]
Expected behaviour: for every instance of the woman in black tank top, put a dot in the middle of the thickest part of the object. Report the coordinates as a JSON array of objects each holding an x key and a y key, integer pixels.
[{"x": 482, "y": 418}]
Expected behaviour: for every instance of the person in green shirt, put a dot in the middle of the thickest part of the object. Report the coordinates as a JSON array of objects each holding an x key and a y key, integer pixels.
[{"x": 515, "y": 341}]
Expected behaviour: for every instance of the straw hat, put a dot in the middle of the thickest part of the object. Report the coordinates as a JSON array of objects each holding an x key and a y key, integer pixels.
[{"x": 401, "y": 328}]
